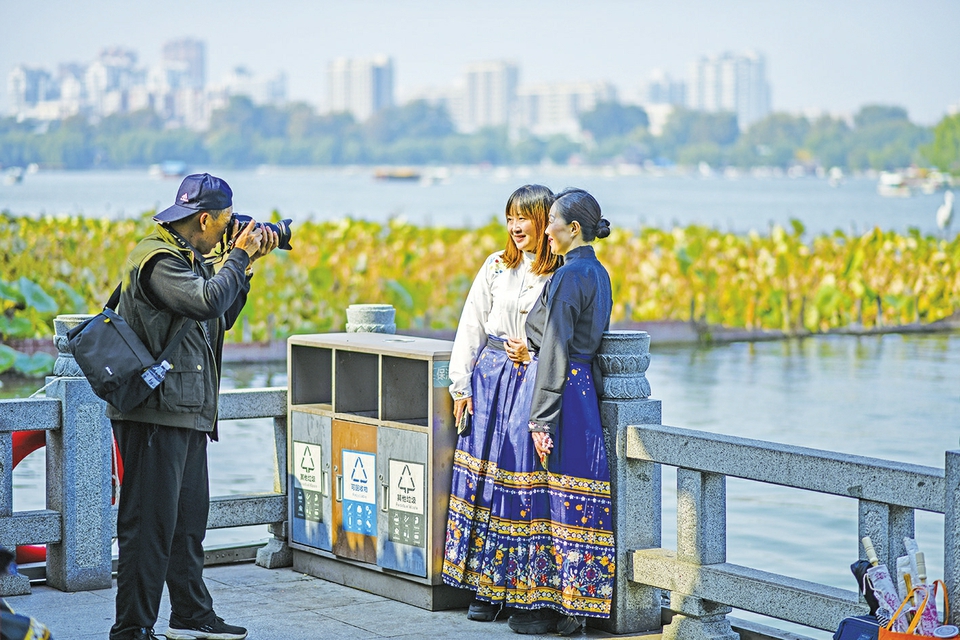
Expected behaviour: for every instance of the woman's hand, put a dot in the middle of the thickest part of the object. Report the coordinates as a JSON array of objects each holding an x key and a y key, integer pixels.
[
  {"x": 461, "y": 405},
  {"x": 542, "y": 442},
  {"x": 517, "y": 350}
]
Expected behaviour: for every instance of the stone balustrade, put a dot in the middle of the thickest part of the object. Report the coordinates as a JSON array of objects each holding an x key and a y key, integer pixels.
[{"x": 700, "y": 586}]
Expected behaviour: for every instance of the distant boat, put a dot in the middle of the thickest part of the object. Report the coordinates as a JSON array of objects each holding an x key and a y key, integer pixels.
[
  {"x": 169, "y": 169},
  {"x": 893, "y": 184},
  {"x": 835, "y": 177},
  {"x": 399, "y": 173},
  {"x": 905, "y": 182},
  {"x": 13, "y": 175}
]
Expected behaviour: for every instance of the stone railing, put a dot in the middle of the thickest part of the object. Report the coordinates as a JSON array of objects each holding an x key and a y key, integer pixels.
[
  {"x": 703, "y": 588},
  {"x": 79, "y": 523}
]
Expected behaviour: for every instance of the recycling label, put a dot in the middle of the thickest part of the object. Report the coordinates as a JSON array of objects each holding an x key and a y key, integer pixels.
[
  {"x": 407, "y": 506},
  {"x": 307, "y": 491},
  {"x": 359, "y": 492}
]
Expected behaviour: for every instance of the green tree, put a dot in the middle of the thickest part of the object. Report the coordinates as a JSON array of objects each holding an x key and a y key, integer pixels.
[
  {"x": 773, "y": 141},
  {"x": 828, "y": 142},
  {"x": 944, "y": 151},
  {"x": 418, "y": 120},
  {"x": 885, "y": 140},
  {"x": 873, "y": 114},
  {"x": 612, "y": 119},
  {"x": 698, "y": 127}
]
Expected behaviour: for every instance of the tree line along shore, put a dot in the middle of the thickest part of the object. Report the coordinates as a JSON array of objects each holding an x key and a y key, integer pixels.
[{"x": 244, "y": 134}]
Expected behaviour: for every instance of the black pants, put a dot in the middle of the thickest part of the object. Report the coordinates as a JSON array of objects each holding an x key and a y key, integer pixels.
[{"x": 161, "y": 524}]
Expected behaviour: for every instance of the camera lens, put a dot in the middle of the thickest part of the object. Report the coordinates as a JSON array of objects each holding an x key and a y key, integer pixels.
[{"x": 282, "y": 229}]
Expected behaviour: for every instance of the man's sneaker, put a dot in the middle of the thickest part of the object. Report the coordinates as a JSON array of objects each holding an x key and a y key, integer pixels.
[
  {"x": 217, "y": 629},
  {"x": 534, "y": 622},
  {"x": 144, "y": 633}
]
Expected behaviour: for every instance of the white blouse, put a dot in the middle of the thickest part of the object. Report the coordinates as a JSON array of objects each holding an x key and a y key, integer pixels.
[{"x": 497, "y": 305}]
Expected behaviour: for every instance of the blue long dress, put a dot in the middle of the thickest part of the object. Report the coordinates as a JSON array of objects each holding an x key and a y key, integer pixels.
[{"x": 480, "y": 498}]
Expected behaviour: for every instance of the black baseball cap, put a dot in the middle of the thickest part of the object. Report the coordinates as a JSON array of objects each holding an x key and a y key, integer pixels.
[{"x": 198, "y": 192}]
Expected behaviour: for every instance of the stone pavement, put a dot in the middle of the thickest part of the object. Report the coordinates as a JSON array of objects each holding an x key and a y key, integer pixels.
[{"x": 275, "y": 604}]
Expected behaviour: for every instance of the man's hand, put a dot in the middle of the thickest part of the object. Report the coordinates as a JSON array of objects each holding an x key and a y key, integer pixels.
[
  {"x": 269, "y": 242},
  {"x": 249, "y": 239}
]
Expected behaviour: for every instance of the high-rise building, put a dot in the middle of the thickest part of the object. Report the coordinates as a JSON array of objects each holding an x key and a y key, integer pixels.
[
  {"x": 731, "y": 82},
  {"x": 360, "y": 87},
  {"x": 548, "y": 109},
  {"x": 108, "y": 79},
  {"x": 489, "y": 95},
  {"x": 662, "y": 89},
  {"x": 186, "y": 62},
  {"x": 27, "y": 87}
]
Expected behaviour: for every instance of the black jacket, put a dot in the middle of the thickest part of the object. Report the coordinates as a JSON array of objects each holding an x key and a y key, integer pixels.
[{"x": 166, "y": 282}]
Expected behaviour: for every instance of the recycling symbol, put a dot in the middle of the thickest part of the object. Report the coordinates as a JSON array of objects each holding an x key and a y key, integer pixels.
[
  {"x": 359, "y": 474},
  {"x": 406, "y": 483},
  {"x": 306, "y": 462}
]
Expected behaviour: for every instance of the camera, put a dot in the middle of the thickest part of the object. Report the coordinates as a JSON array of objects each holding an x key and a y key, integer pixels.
[{"x": 282, "y": 229}]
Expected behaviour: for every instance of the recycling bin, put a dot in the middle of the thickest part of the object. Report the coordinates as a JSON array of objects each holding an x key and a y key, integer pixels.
[{"x": 371, "y": 439}]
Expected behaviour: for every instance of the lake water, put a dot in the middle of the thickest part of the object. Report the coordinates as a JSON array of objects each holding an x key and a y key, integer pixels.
[
  {"x": 471, "y": 196},
  {"x": 895, "y": 397}
]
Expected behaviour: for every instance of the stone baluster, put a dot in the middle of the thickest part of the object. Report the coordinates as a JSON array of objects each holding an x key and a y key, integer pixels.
[
  {"x": 79, "y": 456},
  {"x": 371, "y": 318},
  {"x": 625, "y": 400},
  {"x": 701, "y": 540},
  {"x": 887, "y": 525},
  {"x": 277, "y": 553},
  {"x": 951, "y": 527}
]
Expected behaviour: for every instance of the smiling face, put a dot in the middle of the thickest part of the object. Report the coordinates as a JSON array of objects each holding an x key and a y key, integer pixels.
[
  {"x": 561, "y": 235},
  {"x": 522, "y": 231}
]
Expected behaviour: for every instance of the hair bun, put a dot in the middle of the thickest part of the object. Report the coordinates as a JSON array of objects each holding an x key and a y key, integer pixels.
[{"x": 603, "y": 228}]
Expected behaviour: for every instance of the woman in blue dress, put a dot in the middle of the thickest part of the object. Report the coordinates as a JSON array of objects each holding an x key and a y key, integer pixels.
[
  {"x": 488, "y": 366},
  {"x": 566, "y": 554}
]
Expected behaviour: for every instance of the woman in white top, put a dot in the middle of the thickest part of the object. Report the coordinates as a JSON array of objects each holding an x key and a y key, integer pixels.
[{"x": 492, "y": 399}]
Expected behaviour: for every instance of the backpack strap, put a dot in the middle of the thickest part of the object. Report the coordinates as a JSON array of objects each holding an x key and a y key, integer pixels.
[{"x": 114, "y": 301}]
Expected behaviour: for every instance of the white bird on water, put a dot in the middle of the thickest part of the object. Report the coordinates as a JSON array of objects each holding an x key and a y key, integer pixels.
[{"x": 945, "y": 211}]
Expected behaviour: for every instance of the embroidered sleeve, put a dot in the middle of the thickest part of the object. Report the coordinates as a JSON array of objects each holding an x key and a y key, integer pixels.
[{"x": 472, "y": 330}]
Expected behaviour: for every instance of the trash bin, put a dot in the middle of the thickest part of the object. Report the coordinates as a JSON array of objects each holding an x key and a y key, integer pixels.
[{"x": 371, "y": 441}]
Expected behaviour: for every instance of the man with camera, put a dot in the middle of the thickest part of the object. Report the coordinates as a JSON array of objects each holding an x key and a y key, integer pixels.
[{"x": 169, "y": 279}]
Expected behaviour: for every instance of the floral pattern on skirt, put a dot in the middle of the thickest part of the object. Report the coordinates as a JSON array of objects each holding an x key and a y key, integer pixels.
[{"x": 519, "y": 534}]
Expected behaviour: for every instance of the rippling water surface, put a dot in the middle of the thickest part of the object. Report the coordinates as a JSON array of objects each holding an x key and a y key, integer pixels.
[{"x": 471, "y": 196}]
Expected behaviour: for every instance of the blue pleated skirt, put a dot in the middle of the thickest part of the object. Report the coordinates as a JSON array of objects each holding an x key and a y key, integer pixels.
[{"x": 516, "y": 533}]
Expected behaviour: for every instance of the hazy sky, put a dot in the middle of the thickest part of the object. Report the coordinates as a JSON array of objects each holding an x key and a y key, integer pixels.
[{"x": 834, "y": 55}]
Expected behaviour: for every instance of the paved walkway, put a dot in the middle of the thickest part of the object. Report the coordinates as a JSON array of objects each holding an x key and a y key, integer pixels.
[{"x": 277, "y": 604}]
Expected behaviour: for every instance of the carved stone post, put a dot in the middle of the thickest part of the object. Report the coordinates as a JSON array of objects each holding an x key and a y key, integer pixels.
[
  {"x": 635, "y": 486},
  {"x": 10, "y": 584},
  {"x": 701, "y": 539},
  {"x": 78, "y": 477},
  {"x": 951, "y": 522},
  {"x": 887, "y": 525},
  {"x": 371, "y": 318},
  {"x": 277, "y": 553}
]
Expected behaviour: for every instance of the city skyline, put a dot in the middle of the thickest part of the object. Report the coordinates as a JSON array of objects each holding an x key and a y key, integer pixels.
[{"x": 820, "y": 56}]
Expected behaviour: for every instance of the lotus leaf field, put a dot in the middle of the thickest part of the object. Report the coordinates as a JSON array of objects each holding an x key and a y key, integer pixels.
[{"x": 778, "y": 281}]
